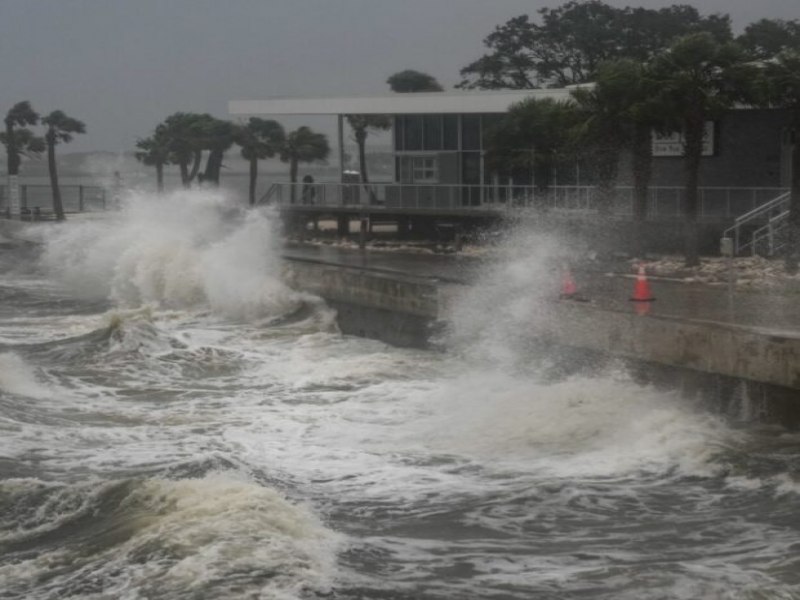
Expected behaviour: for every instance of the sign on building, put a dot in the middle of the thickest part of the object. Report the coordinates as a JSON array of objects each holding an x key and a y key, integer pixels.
[{"x": 671, "y": 144}]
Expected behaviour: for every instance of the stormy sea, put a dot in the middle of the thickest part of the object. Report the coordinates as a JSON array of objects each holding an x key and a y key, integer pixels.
[{"x": 175, "y": 422}]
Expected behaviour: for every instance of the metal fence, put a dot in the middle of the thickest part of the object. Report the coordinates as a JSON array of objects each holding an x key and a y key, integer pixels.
[
  {"x": 715, "y": 203},
  {"x": 36, "y": 200}
]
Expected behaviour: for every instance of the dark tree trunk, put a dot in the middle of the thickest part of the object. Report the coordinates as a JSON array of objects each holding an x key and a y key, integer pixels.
[
  {"x": 361, "y": 140},
  {"x": 160, "y": 177},
  {"x": 607, "y": 167},
  {"x": 793, "y": 224},
  {"x": 293, "y": 177},
  {"x": 642, "y": 171},
  {"x": 213, "y": 166},
  {"x": 693, "y": 151},
  {"x": 253, "y": 179},
  {"x": 195, "y": 167},
  {"x": 184, "y": 168},
  {"x": 12, "y": 152},
  {"x": 58, "y": 207}
]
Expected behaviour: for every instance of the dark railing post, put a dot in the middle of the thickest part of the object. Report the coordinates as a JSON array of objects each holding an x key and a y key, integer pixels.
[{"x": 80, "y": 198}]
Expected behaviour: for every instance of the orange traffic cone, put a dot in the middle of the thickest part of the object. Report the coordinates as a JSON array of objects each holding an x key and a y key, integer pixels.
[
  {"x": 568, "y": 287},
  {"x": 641, "y": 290}
]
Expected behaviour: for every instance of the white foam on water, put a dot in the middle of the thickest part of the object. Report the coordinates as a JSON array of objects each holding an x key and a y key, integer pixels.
[
  {"x": 598, "y": 426},
  {"x": 219, "y": 536},
  {"x": 19, "y": 378},
  {"x": 179, "y": 250}
]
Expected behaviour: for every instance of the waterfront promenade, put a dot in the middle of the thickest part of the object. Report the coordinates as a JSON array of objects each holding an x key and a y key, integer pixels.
[{"x": 606, "y": 284}]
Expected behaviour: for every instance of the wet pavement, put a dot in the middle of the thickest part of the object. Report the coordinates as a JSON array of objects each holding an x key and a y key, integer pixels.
[{"x": 773, "y": 312}]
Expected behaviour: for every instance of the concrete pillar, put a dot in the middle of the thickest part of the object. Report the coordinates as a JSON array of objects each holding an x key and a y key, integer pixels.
[
  {"x": 458, "y": 240},
  {"x": 362, "y": 232},
  {"x": 343, "y": 225},
  {"x": 403, "y": 227}
]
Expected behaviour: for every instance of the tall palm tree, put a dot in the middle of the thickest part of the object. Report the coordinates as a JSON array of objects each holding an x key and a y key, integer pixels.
[
  {"x": 60, "y": 129},
  {"x": 154, "y": 151},
  {"x": 303, "y": 145},
  {"x": 259, "y": 139},
  {"x": 19, "y": 141},
  {"x": 603, "y": 129},
  {"x": 361, "y": 126},
  {"x": 782, "y": 84},
  {"x": 698, "y": 78}
]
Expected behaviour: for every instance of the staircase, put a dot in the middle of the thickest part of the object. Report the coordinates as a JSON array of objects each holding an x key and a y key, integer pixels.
[{"x": 759, "y": 231}]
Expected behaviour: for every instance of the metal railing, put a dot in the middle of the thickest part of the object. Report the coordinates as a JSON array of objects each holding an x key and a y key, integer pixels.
[
  {"x": 36, "y": 200},
  {"x": 715, "y": 203},
  {"x": 770, "y": 215},
  {"x": 769, "y": 239}
]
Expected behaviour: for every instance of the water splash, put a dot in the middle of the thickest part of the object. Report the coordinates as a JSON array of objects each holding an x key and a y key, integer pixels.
[
  {"x": 186, "y": 249},
  {"x": 19, "y": 378}
]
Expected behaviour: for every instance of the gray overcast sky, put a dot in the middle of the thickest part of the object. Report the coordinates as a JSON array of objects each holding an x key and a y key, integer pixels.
[{"x": 123, "y": 65}]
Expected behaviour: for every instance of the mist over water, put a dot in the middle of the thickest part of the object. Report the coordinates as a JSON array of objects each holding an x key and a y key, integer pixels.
[{"x": 176, "y": 422}]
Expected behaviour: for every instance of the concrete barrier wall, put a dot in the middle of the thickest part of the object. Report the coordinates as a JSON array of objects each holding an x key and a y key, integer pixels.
[{"x": 400, "y": 309}]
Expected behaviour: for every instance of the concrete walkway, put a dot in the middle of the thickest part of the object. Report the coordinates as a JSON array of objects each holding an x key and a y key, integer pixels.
[{"x": 769, "y": 312}]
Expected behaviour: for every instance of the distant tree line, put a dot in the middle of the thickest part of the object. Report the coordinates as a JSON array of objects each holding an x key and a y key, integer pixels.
[
  {"x": 636, "y": 70},
  {"x": 183, "y": 139}
]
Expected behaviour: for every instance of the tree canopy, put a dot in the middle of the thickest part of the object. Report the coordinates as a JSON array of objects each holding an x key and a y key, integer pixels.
[
  {"x": 60, "y": 129},
  {"x": 154, "y": 151},
  {"x": 17, "y": 138},
  {"x": 258, "y": 139},
  {"x": 569, "y": 43},
  {"x": 303, "y": 145},
  {"x": 534, "y": 134},
  {"x": 698, "y": 79},
  {"x": 413, "y": 81},
  {"x": 768, "y": 37},
  {"x": 361, "y": 126}
]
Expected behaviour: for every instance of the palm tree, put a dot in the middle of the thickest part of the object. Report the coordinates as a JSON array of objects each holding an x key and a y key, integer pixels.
[
  {"x": 782, "y": 83},
  {"x": 218, "y": 136},
  {"x": 361, "y": 125},
  {"x": 603, "y": 129},
  {"x": 19, "y": 141},
  {"x": 622, "y": 108},
  {"x": 60, "y": 128},
  {"x": 534, "y": 134},
  {"x": 259, "y": 139},
  {"x": 185, "y": 132},
  {"x": 698, "y": 78},
  {"x": 154, "y": 151},
  {"x": 303, "y": 145}
]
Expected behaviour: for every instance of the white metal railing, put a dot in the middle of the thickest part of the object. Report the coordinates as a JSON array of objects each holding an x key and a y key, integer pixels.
[
  {"x": 663, "y": 202},
  {"x": 771, "y": 214}
]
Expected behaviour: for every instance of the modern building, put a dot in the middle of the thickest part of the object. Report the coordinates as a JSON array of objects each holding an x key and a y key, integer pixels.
[{"x": 439, "y": 150}]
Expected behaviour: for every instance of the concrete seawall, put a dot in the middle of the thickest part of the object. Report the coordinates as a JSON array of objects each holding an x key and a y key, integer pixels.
[{"x": 403, "y": 310}]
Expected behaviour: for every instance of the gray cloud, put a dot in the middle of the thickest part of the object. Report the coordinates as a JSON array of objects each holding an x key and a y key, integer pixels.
[{"x": 123, "y": 65}]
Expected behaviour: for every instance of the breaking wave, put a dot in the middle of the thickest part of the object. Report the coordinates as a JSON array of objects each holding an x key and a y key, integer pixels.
[
  {"x": 186, "y": 249},
  {"x": 216, "y": 536}
]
